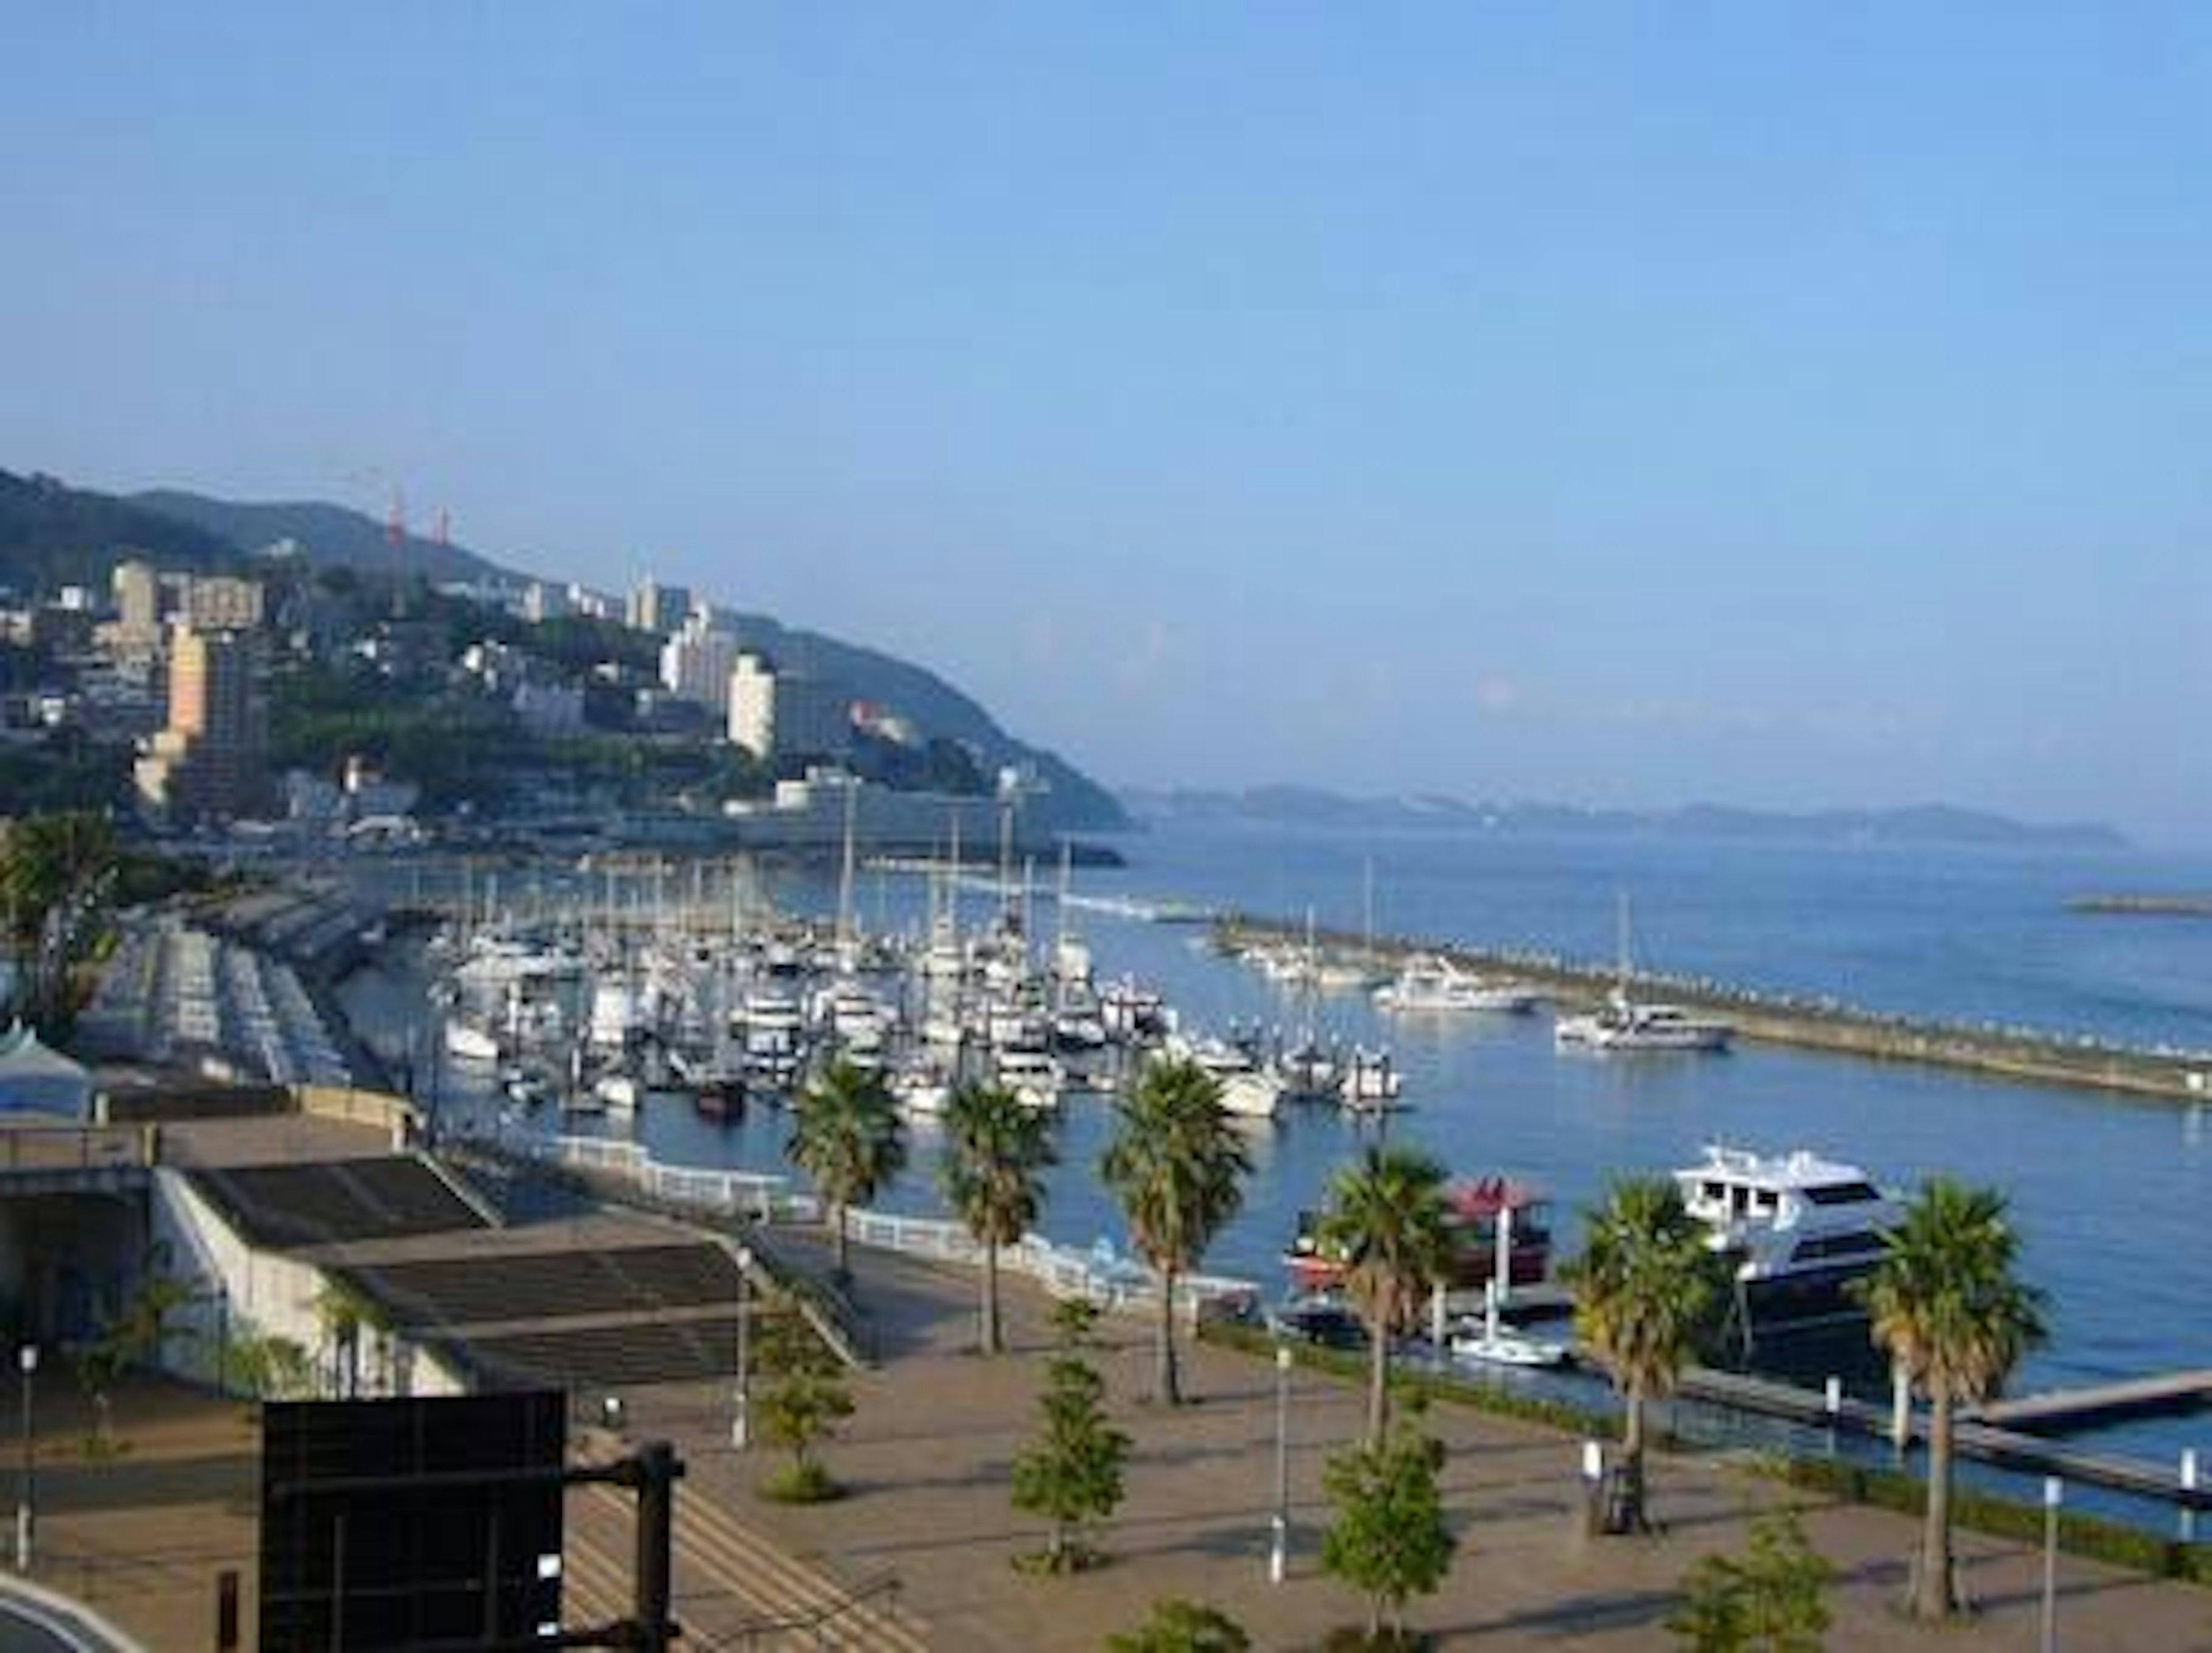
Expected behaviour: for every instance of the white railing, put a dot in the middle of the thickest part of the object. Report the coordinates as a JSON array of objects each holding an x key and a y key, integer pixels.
[
  {"x": 1101, "y": 1274},
  {"x": 762, "y": 1195}
]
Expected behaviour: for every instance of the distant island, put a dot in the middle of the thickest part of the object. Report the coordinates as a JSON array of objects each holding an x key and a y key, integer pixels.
[{"x": 1312, "y": 806}]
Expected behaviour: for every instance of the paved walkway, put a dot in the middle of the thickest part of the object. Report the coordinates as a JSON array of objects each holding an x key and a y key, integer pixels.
[
  {"x": 928, "y": 1458},
  {"x": 141, "y": 1537}
]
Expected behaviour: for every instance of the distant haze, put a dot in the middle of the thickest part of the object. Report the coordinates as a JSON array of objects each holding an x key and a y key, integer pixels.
[{"x": 1779, "y": 406}]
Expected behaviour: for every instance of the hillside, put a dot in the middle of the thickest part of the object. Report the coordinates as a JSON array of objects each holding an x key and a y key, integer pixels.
[
  {"x": 52, "y": 534},
  {"x": 1073, "y": 798},
  {"x": 330, "y": 533}
]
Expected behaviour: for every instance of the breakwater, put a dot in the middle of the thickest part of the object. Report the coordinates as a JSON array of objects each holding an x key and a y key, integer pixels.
[
  {"x": 2144, "y": 906},
  {"x": 2028, "y": 1055}
]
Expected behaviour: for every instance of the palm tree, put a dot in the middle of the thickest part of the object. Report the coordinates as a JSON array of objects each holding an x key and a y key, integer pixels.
[
  {"x": 1177, "y": 1167},
  {"x": 1945, "y": 1305},
  {"x": 1647, "y": 1287},
  {"x": 996, "y": 1154},
  {"x": 1386, "y": 1220},
  {"x": 848, "y": 1138}
]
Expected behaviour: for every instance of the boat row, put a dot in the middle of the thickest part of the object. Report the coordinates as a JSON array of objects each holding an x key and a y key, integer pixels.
[{"x": 1798, "y": 1231}]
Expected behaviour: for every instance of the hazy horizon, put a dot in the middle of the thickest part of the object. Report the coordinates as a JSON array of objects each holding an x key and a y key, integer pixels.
[{"x": 1787, "y": 411}]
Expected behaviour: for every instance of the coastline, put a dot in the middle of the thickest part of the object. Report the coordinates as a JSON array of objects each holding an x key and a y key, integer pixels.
[{"x": 1825, "y": 1024}]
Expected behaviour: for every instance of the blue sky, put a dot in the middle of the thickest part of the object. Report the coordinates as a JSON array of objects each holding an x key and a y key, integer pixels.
[{"x": 1778, "y": 405}]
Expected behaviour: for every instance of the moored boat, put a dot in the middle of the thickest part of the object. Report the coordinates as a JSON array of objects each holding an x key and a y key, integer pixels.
[
  {"x": 1799, "y": 1231},
  {"x": 1482, "y": 1217}
]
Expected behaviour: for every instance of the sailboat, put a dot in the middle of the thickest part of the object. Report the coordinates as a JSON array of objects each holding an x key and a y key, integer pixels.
[{"x": 1626, "y": 1023}]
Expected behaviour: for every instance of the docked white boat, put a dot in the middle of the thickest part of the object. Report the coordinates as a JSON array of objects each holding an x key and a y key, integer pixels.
[
  {"x": 619, "y": 1092},
  {"x": 1431, "y": 984},
  {"x": 1031, "y": 1074},
  {"x": 1507, "y": 1349},
  {"x": 1252, "y": 1095},
  {"x": 1372, "y": 1083},
  {"x": 920, "y": 1091},
  {"x": 1624, "y": 1023},
  {"x": 1799, "y": 1231},
  {"x": 470, "y": 1043}
]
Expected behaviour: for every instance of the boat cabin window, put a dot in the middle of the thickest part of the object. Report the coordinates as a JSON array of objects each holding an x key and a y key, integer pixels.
[{"x": 1843, "y": 1193}]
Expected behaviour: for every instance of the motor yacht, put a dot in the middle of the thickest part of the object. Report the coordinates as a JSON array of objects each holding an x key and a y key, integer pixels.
[{"x": 1798, "y": 1230}]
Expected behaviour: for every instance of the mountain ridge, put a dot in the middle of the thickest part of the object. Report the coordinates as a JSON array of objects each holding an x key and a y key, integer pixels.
[{"x": 1291, "y": 803}]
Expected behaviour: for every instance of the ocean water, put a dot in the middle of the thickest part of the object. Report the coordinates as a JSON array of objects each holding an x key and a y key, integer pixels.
[{"x": 2111, "y": 1195}]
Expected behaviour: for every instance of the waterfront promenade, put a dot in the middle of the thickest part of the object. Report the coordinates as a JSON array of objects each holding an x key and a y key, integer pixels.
[{"x": 143, "y": 1535}]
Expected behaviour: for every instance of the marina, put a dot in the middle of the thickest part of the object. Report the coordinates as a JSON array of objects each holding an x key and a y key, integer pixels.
[{"x": 1489, "y": 1093}]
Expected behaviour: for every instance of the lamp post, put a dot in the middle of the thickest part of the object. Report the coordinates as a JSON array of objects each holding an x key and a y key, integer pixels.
[
  {"x": 741, "y": 1423},
  {"x": 2054, "y": 1493},
  {"x": 1278, "y": 1549},
  {"x": 26, "y": 1360}
]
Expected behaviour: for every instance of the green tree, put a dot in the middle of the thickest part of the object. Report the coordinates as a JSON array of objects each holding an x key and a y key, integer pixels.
[
  {"x": 1386, "y": 1221},
  {"x": 1390, "y": 1539},
  {"x": 1072, "y": 1474},
  {"x": 55, "y": 872},
  {"x": 268, "y": 1367},
  {"x": 1771, "y": 1600},
  {"x": 997, "y": 1152},
  {"x": 1178, "y": 1168},
  {"x": 1647, "y": 1289},
  {"x": 804, "y": 1402},
  {"x": 848, "y": 1138},
  {"x": 1178, "y": 1625},
  {"x": 345, "y": 1313},
  {"x": 1947, "y": 1305},
  {"x": 132, "y": 1336}
]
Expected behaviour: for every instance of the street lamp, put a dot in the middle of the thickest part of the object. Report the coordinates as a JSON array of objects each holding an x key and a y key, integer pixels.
[
  {"x": 2054, "y": 1494},
  {"x": 741, "y": 1424},
  {"x": 27, "y": 1358},
  {"x": 1278, "y": 1551}
]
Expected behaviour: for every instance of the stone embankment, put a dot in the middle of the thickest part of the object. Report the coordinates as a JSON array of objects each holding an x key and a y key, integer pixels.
[{"x": 2027, "y": 1054}]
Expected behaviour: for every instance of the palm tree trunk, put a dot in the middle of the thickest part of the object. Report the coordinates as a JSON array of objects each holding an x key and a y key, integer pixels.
[
  {"x": 1170, "y": 1388},
  {"x": 1378, "y": 1368},
  {"x": 1931, "y": 1590},
  {"x": 990, "y": 1297},
  {"x": 843, "y": 1268},
  {"x": 1630, "y": 1518}
]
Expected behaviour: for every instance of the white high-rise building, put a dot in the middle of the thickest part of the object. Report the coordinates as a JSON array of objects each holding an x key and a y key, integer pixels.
[
  {"x": 697, "y": 663},
  {"x": 752, "y": 698},
  {"x": 778, "y": 714}
]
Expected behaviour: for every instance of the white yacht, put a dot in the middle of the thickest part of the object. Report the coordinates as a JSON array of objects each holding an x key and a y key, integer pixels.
[
  {"x": 1799, "y": 1230},
  {"x": 1372, "y": 1083},
  {"x": 1247, "y": 1090},
  {"x": 1625, "y": 1022},
  {"x": 1431, "y": 984},
  {"x": 471, "y": 1044},
  {"x": 1031, "y": 1074}
]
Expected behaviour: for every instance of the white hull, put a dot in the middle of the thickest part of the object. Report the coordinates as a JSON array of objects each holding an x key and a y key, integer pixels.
[{"x": 471, "y": 1044}]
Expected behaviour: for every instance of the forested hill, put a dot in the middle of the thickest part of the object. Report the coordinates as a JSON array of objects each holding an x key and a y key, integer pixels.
[
  {"x": 330, "y": 533},
  {"x": 52, "y": 534}
]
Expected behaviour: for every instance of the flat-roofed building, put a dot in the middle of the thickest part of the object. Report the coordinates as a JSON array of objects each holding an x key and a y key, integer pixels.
[{"x": 211, "y": 760}]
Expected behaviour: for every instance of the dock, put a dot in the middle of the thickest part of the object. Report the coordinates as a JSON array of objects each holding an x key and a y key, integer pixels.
[
  {"x": 1977, "y": 1438},
  {"x": 2058, "y": 1410}
]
